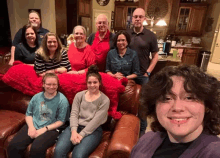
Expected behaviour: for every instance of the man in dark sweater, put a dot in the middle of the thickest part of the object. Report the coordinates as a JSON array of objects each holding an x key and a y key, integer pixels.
[
  {"x": 101, "y": 41},
  {"x": 35, "y": 21}
]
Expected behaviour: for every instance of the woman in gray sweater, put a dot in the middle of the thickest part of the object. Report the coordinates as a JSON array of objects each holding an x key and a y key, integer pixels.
[{"x": 89, "y": 112}]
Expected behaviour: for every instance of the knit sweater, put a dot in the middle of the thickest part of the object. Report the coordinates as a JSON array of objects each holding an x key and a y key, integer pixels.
[{"x": 88, "y": 114}]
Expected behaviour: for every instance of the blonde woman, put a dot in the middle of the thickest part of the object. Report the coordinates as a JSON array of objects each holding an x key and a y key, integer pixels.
[{"x": 51, "y": 57}]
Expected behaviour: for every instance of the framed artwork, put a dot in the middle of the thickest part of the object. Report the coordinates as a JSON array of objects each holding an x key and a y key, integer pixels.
[{"x": 113, "y": 14}]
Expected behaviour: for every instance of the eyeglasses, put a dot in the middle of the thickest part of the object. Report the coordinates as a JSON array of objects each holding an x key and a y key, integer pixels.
[{"x": 136, "y": 16}]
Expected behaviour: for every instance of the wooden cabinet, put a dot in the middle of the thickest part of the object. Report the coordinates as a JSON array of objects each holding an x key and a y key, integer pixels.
[
  {"x": 84, "y": 8},
  {"x": 190, "y": 19},
  {"x": 123, "y": 14},
  {"x": 190, "y": 56}
]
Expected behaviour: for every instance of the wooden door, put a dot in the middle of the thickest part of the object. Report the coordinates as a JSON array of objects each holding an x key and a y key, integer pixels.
[
  {"x": 196, "y": 20},
  {"x": 120, "y": 17},
  {"x": 81, "y": 7},
  {"x": 216, "y": 49}
]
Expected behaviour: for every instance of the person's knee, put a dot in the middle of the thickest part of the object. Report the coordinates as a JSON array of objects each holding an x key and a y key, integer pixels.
[
  {"x": 12, "y": 147},
  {"x": 37, "y": 149},
  {"x": 76, "y": 154}
]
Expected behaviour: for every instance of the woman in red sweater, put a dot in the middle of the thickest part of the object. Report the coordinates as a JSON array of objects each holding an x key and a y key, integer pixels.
[{"x": 80, "y": 53}]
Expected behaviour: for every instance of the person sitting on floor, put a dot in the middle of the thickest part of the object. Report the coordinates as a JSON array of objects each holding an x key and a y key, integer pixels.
[
  {"x": 184, "y": 104},
  {"x": 25, "y": 51},
  {"x": 46, "y": 112},
  {"x": 89, "y": 112},
  {"x": 122, "y": 61},
  {"x": 80, "y": 53},
  {"x": 51, "y": 57}
]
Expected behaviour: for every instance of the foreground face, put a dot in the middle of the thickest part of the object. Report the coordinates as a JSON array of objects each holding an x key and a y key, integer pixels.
[
  {"x": 138, "y": 18},
  {"x": 34, "y": 19},
  {"x": 79, "y": 35},
  {"x": 30, "y": 35},
  {"x": 50, "y": 85},
  {"x": 93, "y": 84},
  {"x": 181, "y": 114},
  {"x": 121, "y": 42},
  {"x": 52, "y": 43},
  {"x": 102, "y": 24}
]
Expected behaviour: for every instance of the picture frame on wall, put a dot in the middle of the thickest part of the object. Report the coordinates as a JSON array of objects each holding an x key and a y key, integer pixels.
[{"x": 112, "y": 16}]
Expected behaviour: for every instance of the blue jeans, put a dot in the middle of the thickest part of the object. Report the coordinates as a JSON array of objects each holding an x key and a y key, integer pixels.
[
  {"x": 141, "y": 79},
  {"x": 82, "y": 150}
]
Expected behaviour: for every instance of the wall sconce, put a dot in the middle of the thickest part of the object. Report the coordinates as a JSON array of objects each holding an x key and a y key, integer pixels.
[{"x": 161, "y": 23}]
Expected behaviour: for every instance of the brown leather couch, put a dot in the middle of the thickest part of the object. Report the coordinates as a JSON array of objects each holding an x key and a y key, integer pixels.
[{"x": 118, "y": 139}]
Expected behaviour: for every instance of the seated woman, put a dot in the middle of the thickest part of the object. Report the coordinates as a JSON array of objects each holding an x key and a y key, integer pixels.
[
  {"x": 80, "y": 54},
  {"x": 122, "y": 61},
  {"x": 89, "y": 112},
  {"x": 184, "y": 104},
  {"x": 25, "y": 51},
  {"x": 46, "y": 112},
  {"x": 51, "y": 57}
]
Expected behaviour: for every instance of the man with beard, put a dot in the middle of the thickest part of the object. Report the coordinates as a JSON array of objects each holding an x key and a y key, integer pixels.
[
  {"x": 101, "y": 41},
  {"x": 34, "y": 20},
  {"x": 144, "y": 42}
]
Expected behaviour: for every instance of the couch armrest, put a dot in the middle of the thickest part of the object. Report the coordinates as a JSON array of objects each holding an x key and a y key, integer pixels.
[{"x": 125, "y": 136}]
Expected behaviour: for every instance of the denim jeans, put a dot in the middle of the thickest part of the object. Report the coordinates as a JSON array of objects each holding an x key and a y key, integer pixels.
[
  {"x": 82, "y": 150},
  {"x": 141, "y": 79}
]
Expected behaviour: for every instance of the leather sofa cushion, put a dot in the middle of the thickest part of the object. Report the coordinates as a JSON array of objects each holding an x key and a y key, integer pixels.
[{"x": 10, "y": 122}]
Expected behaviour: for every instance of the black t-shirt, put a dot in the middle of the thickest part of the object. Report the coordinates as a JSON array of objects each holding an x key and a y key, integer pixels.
[
  {"x": 143, "y": 43},
  {"x": 18, "y": 36},
  {"x": 170, "y": 150},
  {"x": 25, "y": 53}
]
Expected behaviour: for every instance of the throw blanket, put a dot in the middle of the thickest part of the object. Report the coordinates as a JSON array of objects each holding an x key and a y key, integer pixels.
[{"x": 24, "y": 78}]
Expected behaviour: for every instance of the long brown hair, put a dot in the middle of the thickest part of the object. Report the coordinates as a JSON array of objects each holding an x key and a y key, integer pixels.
[{"x": 43, "y": 50}]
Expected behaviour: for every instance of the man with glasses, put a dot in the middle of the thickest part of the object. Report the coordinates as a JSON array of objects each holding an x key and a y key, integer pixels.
[
  {"x": 34, "y": 20},
  {"x": 144, "y": 42},
  {"x": 101, "y": 41}
]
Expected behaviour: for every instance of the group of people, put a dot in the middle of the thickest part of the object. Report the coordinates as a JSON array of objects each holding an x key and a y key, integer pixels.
[
  {"x": 126, "y": 54},
  {"x": 183, "y": 101}
]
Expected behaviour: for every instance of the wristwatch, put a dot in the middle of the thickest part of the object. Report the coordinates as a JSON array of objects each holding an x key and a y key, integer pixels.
[
  {"x": 47, "y": 128},
  {"x": 148, "y": 73}
]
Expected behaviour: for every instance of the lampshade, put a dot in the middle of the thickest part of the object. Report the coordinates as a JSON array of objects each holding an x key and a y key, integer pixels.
[
  {"x": 161, "y": 23},
  {"x": 145, "y": 23}
]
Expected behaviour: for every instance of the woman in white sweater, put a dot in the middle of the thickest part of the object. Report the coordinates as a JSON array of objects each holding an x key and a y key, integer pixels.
[{"x": 89, "y": 112}]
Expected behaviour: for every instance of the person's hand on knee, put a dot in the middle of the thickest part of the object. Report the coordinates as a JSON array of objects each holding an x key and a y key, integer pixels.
[{"x": 32, "y": 132}]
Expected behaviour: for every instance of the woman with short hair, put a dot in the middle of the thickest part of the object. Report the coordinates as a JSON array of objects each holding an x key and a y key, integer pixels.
[
  {"x": 184, "y": 104},
  {"x": 122, "y": 61},
  {"x": 51, "y": 57},
  {"x": 80, "y": 53}
]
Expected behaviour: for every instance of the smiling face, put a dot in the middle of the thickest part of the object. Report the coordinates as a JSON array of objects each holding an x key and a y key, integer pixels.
[
  {"x": 50, "y": 85},
  {"x": 79, "y": 35},
  {"x": 93, "y": 84},
  {"x": 122, "y": 42},
  {"x": 102, "y": 23},
  {"x": 181, "y": 113},
  {"x": 52, "y": 44},
  {"x": 34, "y": 20},
  {"x": 30, "y": 35},
  {"x": 138, "y": 18}
]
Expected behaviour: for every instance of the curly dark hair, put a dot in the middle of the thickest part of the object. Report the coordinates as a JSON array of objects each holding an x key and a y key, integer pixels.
[
  {"x": 93, "y": 70},
  {"x": 127, "y": 36},
  {"x": 206, "y": 88}
]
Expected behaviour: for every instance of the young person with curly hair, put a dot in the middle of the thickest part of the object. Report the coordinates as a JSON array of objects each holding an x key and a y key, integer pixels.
[{"x": 184, "y": 104}]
